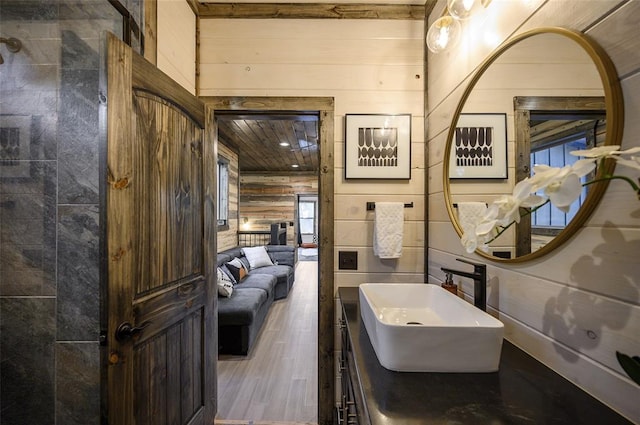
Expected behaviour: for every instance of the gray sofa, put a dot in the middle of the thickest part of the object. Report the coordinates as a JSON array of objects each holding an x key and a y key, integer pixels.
[{"x": 240, "y": 317}]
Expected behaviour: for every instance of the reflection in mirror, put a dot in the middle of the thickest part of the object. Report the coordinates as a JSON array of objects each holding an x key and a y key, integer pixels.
[
  {"x": 547, "y": 129},
  {"x": 558, "y": 91}
]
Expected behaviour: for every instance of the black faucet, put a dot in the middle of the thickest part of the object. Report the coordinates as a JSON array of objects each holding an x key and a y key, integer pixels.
[{"x": 479, "y": 277}]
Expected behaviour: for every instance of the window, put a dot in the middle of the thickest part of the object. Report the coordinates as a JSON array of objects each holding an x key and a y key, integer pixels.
[
  {"x": 307, "y": 217},
  {"x": 223, "y": 194},
  {"x": 549, "y": 219}
]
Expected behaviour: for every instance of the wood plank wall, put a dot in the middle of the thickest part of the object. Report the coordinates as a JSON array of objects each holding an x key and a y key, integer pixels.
[
  {"x": 265, "y": 199},
  {"x": 229, "y": 238},
  {"x": 573, "y": 309},
  {"x": 367, "y": 66},
  {"x": 176, "y": 42}
]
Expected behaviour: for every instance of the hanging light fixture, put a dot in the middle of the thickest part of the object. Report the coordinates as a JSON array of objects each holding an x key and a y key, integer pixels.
[
  {"x": 446, "y": 31},
  {"x": 443, "y": 33},
  {"x": 462, "y": 9}
]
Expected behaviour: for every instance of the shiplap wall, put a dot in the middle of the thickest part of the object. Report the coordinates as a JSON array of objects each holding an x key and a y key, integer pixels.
[
  {"x": 176, "y": 55},
  {"x": 269, "y": 199},
  {"x": 229, "y": 238},
  {"x": 573, "y": 309},
  {"x": 368, "y": 66}
]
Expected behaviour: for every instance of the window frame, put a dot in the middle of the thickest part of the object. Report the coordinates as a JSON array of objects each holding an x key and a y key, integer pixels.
[
  {"x": 313, "y": 218},
  {"x": 222, "y": 203}
]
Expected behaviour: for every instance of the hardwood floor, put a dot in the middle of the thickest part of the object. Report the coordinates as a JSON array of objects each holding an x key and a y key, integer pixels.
[{"x": 277, "y": 382}]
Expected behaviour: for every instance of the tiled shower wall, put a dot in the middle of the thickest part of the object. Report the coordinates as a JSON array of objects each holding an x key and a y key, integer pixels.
[{"x": 49, "y": 211}]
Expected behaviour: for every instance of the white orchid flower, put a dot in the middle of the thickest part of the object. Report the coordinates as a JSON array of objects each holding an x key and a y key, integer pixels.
[
  {"x": 469, "y": 240},
  {"x": 563, "y": 192},
  {"x": 485, "y": 227},
  {"x": 562, "y": 185},
  {"x": 582, "y": 167},
  {"x": 508, "y": 205},
  {"x": 633, "y": 162},
  {"x": 543, "y": 176},
  {"x": 597, "y": 152},
  {"x": 473, "y": 239},
  {"x": 476, "y": 234},
  {"x": 629, "y": 151},
  {"x": 594, "y": 154}
]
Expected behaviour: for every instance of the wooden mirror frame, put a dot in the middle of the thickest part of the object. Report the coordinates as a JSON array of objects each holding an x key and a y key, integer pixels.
[{"x": 614, "y": 127}]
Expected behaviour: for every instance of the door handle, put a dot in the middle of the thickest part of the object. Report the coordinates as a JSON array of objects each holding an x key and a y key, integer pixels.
[{"x": 126, "y": 331}]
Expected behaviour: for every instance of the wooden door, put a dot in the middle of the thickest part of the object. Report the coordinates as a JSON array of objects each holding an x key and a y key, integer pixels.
[{"x": 160, "y": 232}]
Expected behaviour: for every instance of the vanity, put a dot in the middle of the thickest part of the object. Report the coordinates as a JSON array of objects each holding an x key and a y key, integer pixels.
[{"x": 523, "y": 391}]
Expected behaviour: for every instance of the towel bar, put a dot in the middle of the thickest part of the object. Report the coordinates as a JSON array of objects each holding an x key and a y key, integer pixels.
[
  {"x": 455, "y": 204},
  {"x": 372, "y": 205}
]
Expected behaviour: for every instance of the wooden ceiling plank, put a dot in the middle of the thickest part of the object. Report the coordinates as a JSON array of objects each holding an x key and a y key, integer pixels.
[
  {"x": 311, "y": 129},
  {"x": 228, "y": 139},
  {"x": 297, "y": 151},
  {"x": 245, "y": 139},
  {"x": 275, "y": 154},
  {"x": 309, "y": 153},
  {"x": 310, "y": 11},
  {"x": 254, "y": 158},
  {"x": 293, "y": 151},
  {"x": 256, "y": 139}
]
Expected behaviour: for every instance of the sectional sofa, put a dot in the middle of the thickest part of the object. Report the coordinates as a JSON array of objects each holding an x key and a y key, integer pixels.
[{"x": 241, "y": 315}]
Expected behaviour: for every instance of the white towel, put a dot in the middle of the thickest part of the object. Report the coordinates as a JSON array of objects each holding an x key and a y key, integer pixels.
[
  {"x": 469, "y": 213},
  {"x": 387, "y": 229}
]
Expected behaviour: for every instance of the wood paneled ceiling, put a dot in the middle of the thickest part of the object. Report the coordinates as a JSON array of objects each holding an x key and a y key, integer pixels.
[{"x": 274, "y": 143}]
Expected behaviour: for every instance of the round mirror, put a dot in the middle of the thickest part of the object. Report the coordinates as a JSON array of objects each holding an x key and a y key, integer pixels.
[{"x": 539, "y": 96}]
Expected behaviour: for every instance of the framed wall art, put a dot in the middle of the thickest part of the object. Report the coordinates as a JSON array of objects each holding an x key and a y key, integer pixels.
[
  {"x": 377, "y": 146},
  {"x": 479, "y": 147}
]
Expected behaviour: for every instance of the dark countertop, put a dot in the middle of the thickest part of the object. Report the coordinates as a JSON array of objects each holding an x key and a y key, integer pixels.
[{"x": 523, "y": 391}]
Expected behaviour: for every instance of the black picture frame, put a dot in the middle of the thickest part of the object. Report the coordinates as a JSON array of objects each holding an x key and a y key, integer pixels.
[
  {"x": 377, "y": 146},
  {"x": 479, "y": 147}
]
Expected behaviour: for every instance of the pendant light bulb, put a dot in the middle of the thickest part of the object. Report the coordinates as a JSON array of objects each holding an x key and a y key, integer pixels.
[
  {"x": 443, "y": 33},
  {"x": 462, "y": 9}
]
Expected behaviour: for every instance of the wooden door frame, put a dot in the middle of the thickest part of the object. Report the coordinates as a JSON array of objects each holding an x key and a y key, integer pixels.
[{"x": 325, "y": 107}]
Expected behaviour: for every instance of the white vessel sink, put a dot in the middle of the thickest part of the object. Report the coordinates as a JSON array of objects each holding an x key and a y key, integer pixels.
[{"x": 424, "y": 328}]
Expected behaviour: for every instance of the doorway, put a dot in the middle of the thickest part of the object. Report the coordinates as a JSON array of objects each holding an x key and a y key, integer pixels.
[{"x": 324, "y": 107}]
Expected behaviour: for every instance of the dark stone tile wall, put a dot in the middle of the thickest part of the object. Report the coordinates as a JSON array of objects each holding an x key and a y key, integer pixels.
[
  {"x": 77, "y": 383},
  {"x": 78, "y": 122},
  {"x": 78, "y": 305},
  {"x": 49, "y": 211},
  {"x": 27, "y": 338},
  {"x": 27, "y": 228},
  {"x": 29, "y": 82}
]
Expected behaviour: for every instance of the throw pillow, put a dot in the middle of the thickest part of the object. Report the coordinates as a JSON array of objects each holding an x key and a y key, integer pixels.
[
  {"x": 237, "y": 269},
  {"x": 257, "y": 256},
  {"x": 236, "y": 262},
  {"x": 246, "y": 264},
  {"x": 228, "y": 273},
  {"x": 225, "y": 286}
]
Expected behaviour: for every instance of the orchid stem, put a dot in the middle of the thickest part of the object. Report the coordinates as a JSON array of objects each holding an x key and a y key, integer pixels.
[
  {"x": 526, "y": 213},
  {"x": 610, "y": 177}
]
